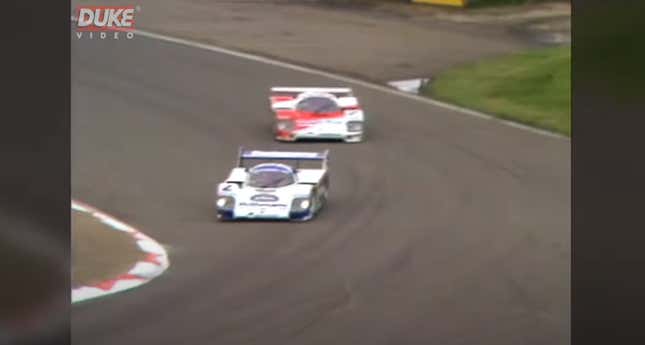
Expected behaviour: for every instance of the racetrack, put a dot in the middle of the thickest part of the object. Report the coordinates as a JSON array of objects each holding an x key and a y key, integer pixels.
[{"x": 441, "y": 228}]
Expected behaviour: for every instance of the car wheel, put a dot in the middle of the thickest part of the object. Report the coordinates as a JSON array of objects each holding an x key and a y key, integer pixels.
[
  {"x": 322, "y": 199},
  {"x": 315, "y": 203},
  {"x": 354, "y": 139}
]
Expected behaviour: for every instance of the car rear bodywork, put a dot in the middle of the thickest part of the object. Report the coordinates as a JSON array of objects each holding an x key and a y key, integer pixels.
[{"x": 346, "y": 121}]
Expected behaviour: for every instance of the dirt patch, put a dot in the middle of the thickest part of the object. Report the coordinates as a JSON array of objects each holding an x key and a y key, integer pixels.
[
  {"x": 99, "y": 252},
  {"x": 552, "y": 30}
]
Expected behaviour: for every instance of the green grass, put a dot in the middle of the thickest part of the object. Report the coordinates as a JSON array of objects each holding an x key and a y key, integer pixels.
[{"x": 533, "y": 88}]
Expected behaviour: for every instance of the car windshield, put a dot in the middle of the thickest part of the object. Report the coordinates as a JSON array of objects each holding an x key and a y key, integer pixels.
[
  {"x": 270, "y": 178},
  {"x": 317, "y": 105}
]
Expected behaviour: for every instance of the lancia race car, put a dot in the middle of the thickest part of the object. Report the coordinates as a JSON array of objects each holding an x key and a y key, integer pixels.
[
  {"x": 316, "y": 113},
  {"x": 274, "y": 185}
]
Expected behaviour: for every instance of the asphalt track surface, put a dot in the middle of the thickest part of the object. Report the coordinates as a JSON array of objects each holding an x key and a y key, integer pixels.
[{"x": 441, "y": 228}]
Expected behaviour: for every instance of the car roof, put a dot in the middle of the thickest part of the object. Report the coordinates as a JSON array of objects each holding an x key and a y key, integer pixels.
[
  {"x": 272, "y": 167},
  {"x": 315, "y": 94}
]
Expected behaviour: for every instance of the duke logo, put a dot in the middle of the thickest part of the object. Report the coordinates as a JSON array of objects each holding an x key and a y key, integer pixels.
[{"x": 98, "y": 21}]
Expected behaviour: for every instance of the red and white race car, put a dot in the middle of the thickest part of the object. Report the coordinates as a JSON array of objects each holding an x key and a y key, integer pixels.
[{"x": 316, "y": 113}]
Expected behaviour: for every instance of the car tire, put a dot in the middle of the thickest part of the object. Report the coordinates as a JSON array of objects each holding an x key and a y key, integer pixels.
[
  {"x": 322, "y": 200},
  {"x": 312, "y": 209},
  {"x": 355, "y": 140},
  {"x": 222, "y": 219}
]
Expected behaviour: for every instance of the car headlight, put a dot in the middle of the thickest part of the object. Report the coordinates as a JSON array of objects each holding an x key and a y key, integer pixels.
[
  {"x": 300, "y": 204},
  {"x": 225, "y": 202},
  {"x": 285, "y": 125},
  {"x": 354, "y": 126}
]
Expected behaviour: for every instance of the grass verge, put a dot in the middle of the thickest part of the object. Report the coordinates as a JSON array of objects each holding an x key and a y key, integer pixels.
[
  {"x": 99, "y": 252},
  {"x": 533, "y": 88}
]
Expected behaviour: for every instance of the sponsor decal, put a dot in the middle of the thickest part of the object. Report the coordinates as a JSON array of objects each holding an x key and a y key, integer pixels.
[
  {"x": 269, "y": 190},
  {"x": 257, "y": 204},
  {"x": 310, "y": 122},
  {"x": 264, "y": 197},
  {"x": 105, "y": 22}
]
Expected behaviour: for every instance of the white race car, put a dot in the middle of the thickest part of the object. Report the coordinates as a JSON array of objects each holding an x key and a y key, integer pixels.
[
  {"x": 316, "y": 113},
  {"x": 274, "y": 185}
]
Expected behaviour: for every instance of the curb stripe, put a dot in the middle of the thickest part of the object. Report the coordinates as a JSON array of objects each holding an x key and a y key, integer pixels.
[{"x": 154, "y": 264}]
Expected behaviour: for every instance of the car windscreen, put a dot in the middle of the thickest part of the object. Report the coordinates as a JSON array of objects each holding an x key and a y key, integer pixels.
[
  {"x": 317, "y": 105},
  {"x": 269, "y": 178}
]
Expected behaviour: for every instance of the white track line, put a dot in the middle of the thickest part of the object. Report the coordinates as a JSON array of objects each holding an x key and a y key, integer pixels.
[
  {"x": 373, "y": 86},
  {"x": 339, "y": 77}
]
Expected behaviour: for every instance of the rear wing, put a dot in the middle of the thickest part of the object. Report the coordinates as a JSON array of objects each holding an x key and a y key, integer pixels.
[
  {"x": 245, "y": 155},
  {"x": 283, "y": 97},
  {"x": 280, "y": 91}
]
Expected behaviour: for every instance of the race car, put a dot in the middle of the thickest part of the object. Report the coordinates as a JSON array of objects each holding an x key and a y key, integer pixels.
[
  {"x": 274, "y": 185},
  {"x": 316, "y": 113}
]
